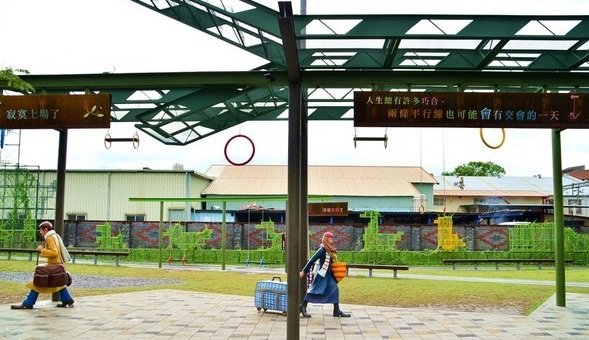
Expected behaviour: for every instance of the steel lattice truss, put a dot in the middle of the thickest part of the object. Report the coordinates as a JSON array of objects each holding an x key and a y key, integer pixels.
[{"x": 338, "y": 54}]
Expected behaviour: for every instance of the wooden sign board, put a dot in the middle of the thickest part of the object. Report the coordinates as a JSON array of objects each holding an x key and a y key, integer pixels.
[
  {"x": 475, "y": 110},
  {"x": 328, "y": 209},
  {"x": 60, "y": 111}
]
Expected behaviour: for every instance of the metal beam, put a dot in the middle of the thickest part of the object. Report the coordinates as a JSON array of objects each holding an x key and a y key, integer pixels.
[
  {"x": 289, "y": 42},
  {"x": 138, "y": 81},
  {"x": 352, "y": 78}
]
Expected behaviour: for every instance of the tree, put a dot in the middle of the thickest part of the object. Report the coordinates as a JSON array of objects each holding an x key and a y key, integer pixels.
[
  {"x": 11, "y": 81},
  {"x": 474, "y": 168}
]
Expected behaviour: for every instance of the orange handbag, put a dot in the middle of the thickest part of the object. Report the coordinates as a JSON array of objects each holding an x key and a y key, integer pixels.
[{"x": 339, "y": 270}]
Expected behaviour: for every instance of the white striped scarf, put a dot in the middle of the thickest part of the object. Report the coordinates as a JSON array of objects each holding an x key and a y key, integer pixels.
[{"x": 325, "y": 265}]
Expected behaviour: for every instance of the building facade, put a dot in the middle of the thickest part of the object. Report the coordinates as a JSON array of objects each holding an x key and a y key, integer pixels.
[{"x": 101, "y": 195}]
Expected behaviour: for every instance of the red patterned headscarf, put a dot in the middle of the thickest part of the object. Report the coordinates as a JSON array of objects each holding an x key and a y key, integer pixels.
[{"x": 327, "y": 244}]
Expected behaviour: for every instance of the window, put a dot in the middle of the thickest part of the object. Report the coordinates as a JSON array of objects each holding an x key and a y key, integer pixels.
[
  {"x": 176, "y": 215},
  {"x": 575, "y": 210},
  {"x": 439, "y": 201},
  {"x": 488, "y": 200},
  {"x": 21, "y": 216},
  {"x": 76, "y": 217},
  {"x": 135, "y": 218}
]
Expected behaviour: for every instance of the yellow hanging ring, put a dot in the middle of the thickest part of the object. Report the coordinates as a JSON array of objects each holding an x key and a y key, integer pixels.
[{"x": 493, "y": 146}]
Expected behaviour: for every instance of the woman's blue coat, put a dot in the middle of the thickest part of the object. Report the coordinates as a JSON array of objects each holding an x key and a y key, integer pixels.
[{"x": 322, "y": 289}]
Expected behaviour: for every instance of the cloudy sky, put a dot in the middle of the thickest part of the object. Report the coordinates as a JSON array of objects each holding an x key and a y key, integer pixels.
[{"x": 95, "y": 36}]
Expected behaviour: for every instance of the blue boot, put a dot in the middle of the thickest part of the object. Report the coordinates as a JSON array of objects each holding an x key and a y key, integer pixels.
[
  {"x": 66, "y": 299},
  {"x": 28, "y": 302}
]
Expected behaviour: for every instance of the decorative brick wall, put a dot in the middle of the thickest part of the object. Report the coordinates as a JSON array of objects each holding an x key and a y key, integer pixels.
[{"x": 82, "y": 234}]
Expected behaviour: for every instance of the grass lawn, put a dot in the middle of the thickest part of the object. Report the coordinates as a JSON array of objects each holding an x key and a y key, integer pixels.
[{"x": 380, "y": 291}]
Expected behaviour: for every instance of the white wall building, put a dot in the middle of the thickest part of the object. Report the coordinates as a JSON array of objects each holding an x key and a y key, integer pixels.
[{"x": 104, "y": 194}]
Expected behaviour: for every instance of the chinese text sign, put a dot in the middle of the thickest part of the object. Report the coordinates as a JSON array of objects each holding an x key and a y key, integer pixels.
[
  {"x": 477, "y": 110},
  {"x": 328, "y": 209},
  {"x": 55, "y": 111}
]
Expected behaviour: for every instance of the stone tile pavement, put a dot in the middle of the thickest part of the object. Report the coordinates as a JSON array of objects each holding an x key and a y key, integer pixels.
[{"x": 174, "y": 314}]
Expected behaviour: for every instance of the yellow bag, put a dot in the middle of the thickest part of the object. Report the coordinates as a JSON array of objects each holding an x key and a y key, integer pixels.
[{"x": 339, "y": 270}]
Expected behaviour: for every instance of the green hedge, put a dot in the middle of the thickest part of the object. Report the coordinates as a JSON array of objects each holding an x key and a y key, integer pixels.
[{"x": 426, "y": 257}]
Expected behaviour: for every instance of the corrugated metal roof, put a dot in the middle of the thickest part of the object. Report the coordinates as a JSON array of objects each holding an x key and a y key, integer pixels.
[
  {"x": 135, "y": 171},
  {"x": 490, "y": 193},
  {"x": 370, "y": 181},
  {"x": 497, "y": 186}
]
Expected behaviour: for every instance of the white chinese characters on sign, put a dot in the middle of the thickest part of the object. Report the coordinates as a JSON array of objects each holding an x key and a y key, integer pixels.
[{"x": 23, "y": 114}]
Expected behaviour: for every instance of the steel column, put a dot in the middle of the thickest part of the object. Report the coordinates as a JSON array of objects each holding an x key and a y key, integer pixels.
[
  {"x": 558, "y": 220},
  {"x": 224, "y": 235},
  {"x": 304, "y": 232},
  {"x": 296, "y": 198},
  {"x": 60, "y": 192},
  {"x": 294, "y": 206}
]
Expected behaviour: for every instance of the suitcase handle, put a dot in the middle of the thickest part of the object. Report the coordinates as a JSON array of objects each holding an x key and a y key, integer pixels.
[{"x": 276, "y": 277}]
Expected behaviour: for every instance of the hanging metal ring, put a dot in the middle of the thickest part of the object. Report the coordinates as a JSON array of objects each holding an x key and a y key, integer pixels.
[
  {"x": 251, "y": 156},
  {"x": 135, "y": 140},
  {"x": 107, "y": 141},
  {"x": 493, "y": 146}
]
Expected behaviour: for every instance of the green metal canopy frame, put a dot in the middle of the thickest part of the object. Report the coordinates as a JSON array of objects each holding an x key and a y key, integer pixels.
[
  {"x": 324, "y": 59},
  {"x": 337, "y": 54}
]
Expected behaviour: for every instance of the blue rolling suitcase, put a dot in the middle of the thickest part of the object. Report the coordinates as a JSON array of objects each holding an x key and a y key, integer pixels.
[{"x": 271, "y": 294}]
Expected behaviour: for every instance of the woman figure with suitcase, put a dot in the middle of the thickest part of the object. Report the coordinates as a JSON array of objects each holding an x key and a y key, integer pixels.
[
  {"x": 324, "y": 287},
  {"x": 55, "y": 252}
]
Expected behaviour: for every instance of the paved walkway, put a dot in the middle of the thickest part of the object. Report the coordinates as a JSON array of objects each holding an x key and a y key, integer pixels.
[{"x": 172, "y": 314}]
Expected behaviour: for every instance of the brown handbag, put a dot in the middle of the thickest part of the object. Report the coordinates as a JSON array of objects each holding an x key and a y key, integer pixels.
[{"x": 50, "y": 275}]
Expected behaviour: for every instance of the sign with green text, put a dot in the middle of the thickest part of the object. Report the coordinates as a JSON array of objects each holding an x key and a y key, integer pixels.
[
  {"x": 59, "y": 111},
  {"x": 476, "y": 110}
]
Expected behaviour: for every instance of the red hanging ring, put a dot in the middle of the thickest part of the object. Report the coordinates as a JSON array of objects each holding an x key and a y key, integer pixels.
[{"x": 251, "y": 156}]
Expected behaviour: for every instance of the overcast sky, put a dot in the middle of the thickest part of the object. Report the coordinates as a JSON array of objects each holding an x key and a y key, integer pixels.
[{"x": 95, "y": 36}]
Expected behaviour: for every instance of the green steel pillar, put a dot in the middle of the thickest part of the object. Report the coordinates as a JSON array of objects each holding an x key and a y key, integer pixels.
[
  {"x": 223, "y": 235},
  {"x": 161, "y": 235},
  {"x": 558, "y": 220}
]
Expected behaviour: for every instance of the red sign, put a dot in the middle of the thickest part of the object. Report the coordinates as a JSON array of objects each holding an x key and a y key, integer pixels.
[
  {"x": 477, "y": 110},
  {"x": 60, "y": 111},
  {"x": 328, "y": 209}
]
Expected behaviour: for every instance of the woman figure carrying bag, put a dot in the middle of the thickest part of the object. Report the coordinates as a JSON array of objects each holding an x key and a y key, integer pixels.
[
  {"x": 324, "y": 287},
  {"x": 56, "y": 253}
]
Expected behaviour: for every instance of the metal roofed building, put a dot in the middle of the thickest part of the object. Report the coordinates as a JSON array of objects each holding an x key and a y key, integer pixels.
[
  {"x": 502, "y": 53},
  {"x": 505, "y": 198},
  {"x": 381, "y": 188},
  {"x": 103, "y": 195}
]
